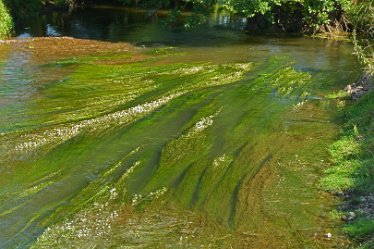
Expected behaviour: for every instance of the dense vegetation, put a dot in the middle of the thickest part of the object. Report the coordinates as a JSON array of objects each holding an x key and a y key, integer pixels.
[
  {"x": 277, "y": 15},
  {"x": 286, "y": 15},
  {"x": 6, "y": 23}
]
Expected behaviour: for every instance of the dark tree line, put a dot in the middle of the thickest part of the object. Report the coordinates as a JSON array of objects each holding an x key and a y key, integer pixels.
[{"x": 282, "y": 15}]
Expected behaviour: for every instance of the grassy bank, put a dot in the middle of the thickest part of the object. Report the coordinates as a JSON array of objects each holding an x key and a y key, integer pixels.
[
  {"x": 352, "y": 175},
  {"x": 6, "y": 23}
]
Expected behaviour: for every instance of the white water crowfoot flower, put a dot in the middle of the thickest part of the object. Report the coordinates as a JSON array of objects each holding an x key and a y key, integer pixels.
[
  {"x": 63, "y": 133},
  {"x": 202, "y": 124},
  {"x": 113, "y": 194},
  {"x": 138, "y": 198},
  {"x": 205, "y": 122},
  {"x": 299, "y": 105},
  {"x": 221, "y": 161},
  {"x": 119, "y": 163},
  {"x": 188, "y": 70},
  {"x": 95, "y": 223},
  {"x": 121, "y": 182}
]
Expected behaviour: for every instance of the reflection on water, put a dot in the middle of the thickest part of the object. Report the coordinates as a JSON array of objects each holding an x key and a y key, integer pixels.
[
  {"x": 216, "y": 142},
  {"x": 116, "y": 24}
]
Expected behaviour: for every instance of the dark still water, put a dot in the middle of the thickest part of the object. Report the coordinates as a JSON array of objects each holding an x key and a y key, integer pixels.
[{"x": 121, "y": 24}]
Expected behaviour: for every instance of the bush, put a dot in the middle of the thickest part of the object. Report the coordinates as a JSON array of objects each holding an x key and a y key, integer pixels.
[
  {"x": 361, "y": 15},
  {"x": 6, "y": 23}
]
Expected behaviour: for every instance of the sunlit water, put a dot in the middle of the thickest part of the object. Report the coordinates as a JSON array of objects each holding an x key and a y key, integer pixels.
[{"x": 210, "y": 138}]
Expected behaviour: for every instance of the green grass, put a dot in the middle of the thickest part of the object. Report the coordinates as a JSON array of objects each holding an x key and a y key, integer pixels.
[
  {"x": 352, "y": 154},
  {"x": 361, "y": 229},
  {"x": 368, "y": 245},
  {"x": 337, "y": 95},
  {"x": 353, "y": 165},
  {"x": 344, "y": 149}
]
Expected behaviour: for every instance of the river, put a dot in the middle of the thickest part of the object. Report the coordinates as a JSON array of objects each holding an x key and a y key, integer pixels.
[{"x": 131, "y": 134}]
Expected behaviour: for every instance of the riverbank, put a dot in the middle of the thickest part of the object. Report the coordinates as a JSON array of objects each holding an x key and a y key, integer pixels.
[{"x": 352, "y": 175}]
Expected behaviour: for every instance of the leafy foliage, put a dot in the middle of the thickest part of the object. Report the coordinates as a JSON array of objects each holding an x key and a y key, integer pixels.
[
  {"x": 309, "y": 15},
  {"x": 361, "y": 15},
  {"x": 288, "y": 15},
  {"x": 6, "y": 23}
]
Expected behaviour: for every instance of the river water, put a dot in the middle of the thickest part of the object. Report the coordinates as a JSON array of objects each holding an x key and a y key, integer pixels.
[{"x": 132, "y": 134}]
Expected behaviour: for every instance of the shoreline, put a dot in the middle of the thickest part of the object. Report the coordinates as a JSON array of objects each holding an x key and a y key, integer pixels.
[{"x": 350, "y": 176}]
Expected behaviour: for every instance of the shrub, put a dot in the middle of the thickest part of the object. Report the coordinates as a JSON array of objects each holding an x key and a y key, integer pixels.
[{"x": 6, "y": 23}]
